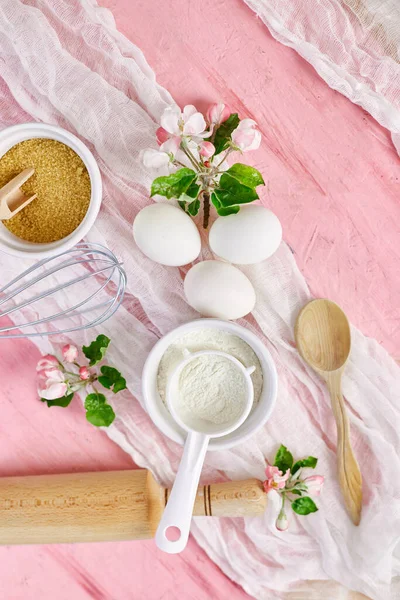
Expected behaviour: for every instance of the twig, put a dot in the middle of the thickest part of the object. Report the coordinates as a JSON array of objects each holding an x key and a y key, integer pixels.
[
  {"x": 206, "y": 209},
  {"x": 191, "y": 157},
  {"x": 230, "y": 149}
]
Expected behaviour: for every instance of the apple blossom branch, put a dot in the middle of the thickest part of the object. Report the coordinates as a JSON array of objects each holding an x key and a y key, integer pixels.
[
  {"x": 194, "y": 149},
  {"x": 284, "y": 478},
  {"x": 60, "y": 379}
]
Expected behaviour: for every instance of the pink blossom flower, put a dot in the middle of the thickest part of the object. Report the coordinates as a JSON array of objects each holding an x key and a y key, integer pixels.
[
  {"x": 46, "y": 362},
  {"x": 314, "y": 484},
  {"x": 42, "y": 379},
  {"x": 282, "y": 522},
  {"x": 51, "y": 384},
  {"x": 207, "y": 149},
  {"x": 275, "y": 478},
  {"x": 161, "y": 135},
  {"x": 218, "y": 113},
  {"x": 70, "y": 353},
  {"x": 189, "y": 122},
  {"x": 53, "y": 391},
  {"x": 52, "y": 373},
  {"x": 84, "y": 373},
  {"x": 246, "y": 137}
]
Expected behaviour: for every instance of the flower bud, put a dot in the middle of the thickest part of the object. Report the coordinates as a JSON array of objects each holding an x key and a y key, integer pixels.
[
  {"x": 314, "y": 484},
  {"x": 162, "y": 135},
  {"x": 218, "y": 113},
  {"x": 207, "y": 149},
  {"x": 70, "y": 353},
  {"x": 282, "y": 522},
  {"x": 84, "y": 373},
  {"x": 246, "y": 137}
]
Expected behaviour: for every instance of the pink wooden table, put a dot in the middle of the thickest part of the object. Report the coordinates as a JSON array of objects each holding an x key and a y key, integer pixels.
[{"x": 333, "y": 179}]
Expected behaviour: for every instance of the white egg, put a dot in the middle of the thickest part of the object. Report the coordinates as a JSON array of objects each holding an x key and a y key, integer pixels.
[
  {"x": 217, "y": 289},
  {"x": 250, "y": 236},
  {"x": 167, "y": 235}
]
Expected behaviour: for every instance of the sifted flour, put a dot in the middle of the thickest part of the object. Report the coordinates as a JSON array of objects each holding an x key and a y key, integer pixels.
[
  {"x": 209, "y": 339},
  {"x": 212, "y": 388}
]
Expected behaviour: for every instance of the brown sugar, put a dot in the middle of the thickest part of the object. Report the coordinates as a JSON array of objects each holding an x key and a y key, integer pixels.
[{"x": 62, "y": 185}]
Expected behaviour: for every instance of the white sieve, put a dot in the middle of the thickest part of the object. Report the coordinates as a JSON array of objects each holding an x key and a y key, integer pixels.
[{"x": 162, "y": 417}]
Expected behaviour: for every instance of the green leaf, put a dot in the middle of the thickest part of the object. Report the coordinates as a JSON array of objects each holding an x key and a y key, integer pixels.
[
  {"x": 248, "y": 176},
  {"x": 174, "y": 185},
  {"x": 63, "y": 401},
  {"x": 98, "y": 412},
  {"x": 223, "y": 133},
  {"x": 231, "y": 192},
  {"x": 223, "y": 212},
  {"x": 93, "y": 401},
  {"x": 105, "y": 382},
  {"x": 193, "y": 190},
  {"x": 295, "y": 492},
  {"x": 229, "y": 210},
  {"x": 283, "y": 459},
  {"x": 112, "y": 379},
  {"x": 110, "y": 372},
  {"x": 194, "y": 207},
  {"x": 191, "y": 193},
  {"x": 96, "y": 350},
  {"x": 102, "y": 417},
  {"x": 309, "y": 462},
  {"x": 304, "y": 506},
  {"x": 215, "y": 201},
  {"x": 119, "y": 385}
]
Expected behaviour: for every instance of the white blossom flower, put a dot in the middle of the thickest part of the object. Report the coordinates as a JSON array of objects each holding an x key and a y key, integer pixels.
[
  {"x": 156, "y": 159},
  {"x": 188, "y": 123}
]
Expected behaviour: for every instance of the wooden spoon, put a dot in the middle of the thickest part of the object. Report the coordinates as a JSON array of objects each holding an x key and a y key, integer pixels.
[{"x": 322, "y": 334}]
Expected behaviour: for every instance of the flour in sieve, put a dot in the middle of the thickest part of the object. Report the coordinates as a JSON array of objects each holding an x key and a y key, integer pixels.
[
  {"x": 209, "y": 339},
  {"x": 212, "y": 388}
]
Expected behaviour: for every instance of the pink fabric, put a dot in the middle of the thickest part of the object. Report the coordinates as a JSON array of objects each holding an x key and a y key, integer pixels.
[{"x": 287, "y": 171}]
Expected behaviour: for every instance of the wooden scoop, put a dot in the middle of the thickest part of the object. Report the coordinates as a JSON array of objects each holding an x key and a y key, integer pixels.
[
  {"x": 322, "y": 335},
  {"x": 12, "y": 198}
]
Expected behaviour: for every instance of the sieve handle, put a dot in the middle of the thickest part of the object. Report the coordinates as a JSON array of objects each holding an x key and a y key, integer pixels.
[{"x": 179, "y": 509}]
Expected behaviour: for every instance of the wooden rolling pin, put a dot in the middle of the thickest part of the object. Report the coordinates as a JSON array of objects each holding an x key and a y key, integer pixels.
[{"x": 118, "y": 505}]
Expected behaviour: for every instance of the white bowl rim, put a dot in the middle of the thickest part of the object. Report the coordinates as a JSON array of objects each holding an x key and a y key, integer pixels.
[
  {"x": 39, "y": 251},
  {"x": 259, "y": 416}
]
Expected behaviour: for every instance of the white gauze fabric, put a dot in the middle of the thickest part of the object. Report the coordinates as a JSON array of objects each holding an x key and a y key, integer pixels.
[
  {"x": 354, "y": 45},
  {"x": 82, "y": 74}
]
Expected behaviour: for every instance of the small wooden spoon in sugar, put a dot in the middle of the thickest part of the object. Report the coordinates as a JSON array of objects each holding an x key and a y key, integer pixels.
[{"x": 12, "y": 198}]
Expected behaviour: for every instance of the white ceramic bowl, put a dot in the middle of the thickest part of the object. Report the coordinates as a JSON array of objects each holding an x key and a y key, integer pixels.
[
  {"x": 11, "y": 136},
  {"x": 162, "y": 417}
]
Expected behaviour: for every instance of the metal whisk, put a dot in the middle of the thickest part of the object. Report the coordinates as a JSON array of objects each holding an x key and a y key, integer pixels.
[{"x": 76, "y": 289}]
